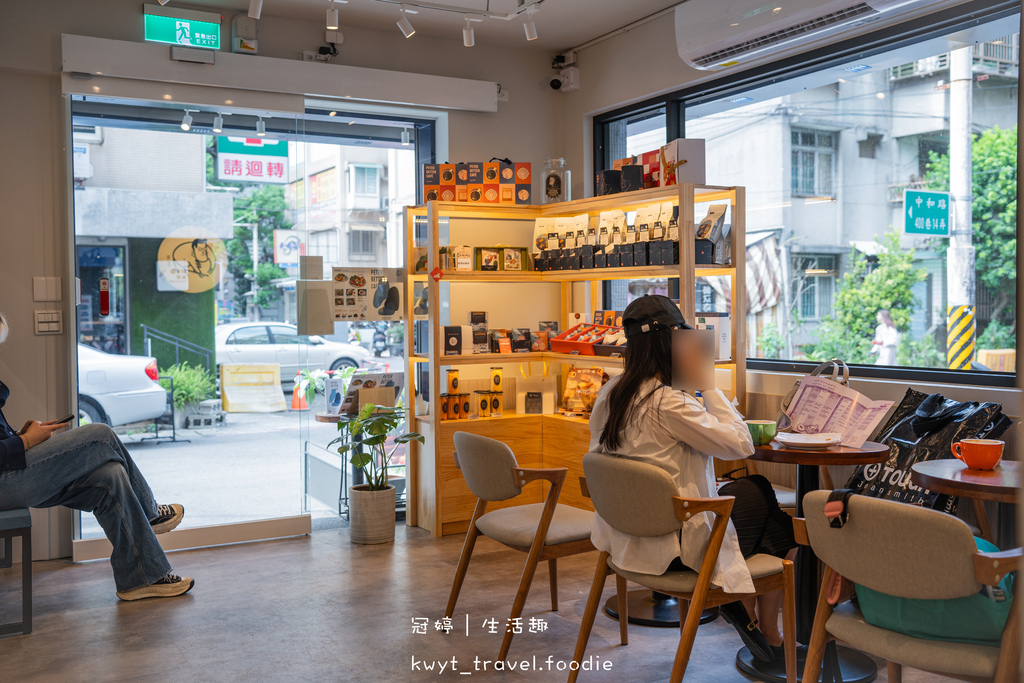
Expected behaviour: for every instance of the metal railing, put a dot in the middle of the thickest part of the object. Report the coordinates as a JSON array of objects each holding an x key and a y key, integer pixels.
[
  {"x": 179, "y": 344},
  {"x": 997, "y": 57}
]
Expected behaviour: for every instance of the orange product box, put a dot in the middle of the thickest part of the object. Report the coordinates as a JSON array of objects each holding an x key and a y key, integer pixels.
[
  {"x": 491, "y": 194},
  {"x": 492, "y": 172},
  {"x": 447, "y": 174},
  {"x": 476, "y": 194},
  {"x": 506, "y": 194},
  {"x": 431, "y": 193},
  {"x": 431, "y": 174},
  {"x": 462, "y": 193},
  {"x": 523, "y": 173},
  {"x": 448, "y": 193}
]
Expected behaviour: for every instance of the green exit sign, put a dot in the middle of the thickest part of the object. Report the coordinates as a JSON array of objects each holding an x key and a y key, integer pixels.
[{"x": 187, "y": 28}]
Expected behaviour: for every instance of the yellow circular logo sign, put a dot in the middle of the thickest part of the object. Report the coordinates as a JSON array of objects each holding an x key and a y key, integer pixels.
[{"x": 190, "y": 261}]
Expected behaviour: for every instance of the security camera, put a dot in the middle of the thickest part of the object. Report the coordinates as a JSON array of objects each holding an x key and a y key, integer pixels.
[{"x": 567, "y": 80}]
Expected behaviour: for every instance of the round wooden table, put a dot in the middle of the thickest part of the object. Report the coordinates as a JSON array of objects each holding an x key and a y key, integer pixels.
[
  {"x": 327, "y": 417},
  {"x": 855, "y": 667},
  {"x": 953, "y": 478}
]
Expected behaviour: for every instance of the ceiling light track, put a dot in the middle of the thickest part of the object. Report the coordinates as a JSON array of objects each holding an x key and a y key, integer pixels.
[{"x": 483, "y": 14}]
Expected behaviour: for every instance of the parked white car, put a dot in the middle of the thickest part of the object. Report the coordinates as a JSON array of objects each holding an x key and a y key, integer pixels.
[
  {"x": 270, "y": 342},
  {"x": 116, "y": 389}
]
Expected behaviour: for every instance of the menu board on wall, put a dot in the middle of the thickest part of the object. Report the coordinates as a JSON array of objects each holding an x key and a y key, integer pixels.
[{"x": 368, "y": 293}]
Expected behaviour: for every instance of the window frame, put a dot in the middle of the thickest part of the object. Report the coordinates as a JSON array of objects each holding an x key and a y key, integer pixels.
[
  {"x": 817, "y": 150},
  {"x": 231, "y": 340},
  {"x": 934, "y": 25},
  {"x": 362, "y": 255}
]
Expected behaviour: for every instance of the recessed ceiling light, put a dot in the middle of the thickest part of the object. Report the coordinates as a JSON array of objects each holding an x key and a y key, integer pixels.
[
  {"x": 880, "y": 95},
  {"x": 333, "y": 113}
]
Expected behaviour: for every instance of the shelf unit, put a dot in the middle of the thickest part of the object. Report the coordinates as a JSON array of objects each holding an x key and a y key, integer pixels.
[{"x": 439, "y": 500}]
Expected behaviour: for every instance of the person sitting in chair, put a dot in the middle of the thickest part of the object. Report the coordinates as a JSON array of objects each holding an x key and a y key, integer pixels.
[
  {"x": 638, "y": 415},
  {"x": 89, "y": 469}
]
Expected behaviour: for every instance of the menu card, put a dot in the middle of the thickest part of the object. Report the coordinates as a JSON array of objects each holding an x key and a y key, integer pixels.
[{"x": 821, "y": 405}]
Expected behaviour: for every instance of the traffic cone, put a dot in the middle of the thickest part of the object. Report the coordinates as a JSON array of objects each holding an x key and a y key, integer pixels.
[
  {"x": 387, "y": 367},
  {"x": 298, "y": 400}
]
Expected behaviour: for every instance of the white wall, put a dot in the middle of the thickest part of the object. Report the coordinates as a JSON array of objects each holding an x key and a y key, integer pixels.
[{"x": 34, "y": 228}]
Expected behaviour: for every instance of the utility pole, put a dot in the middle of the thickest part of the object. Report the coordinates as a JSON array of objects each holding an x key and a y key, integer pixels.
[{"x": 960, "y": 288}]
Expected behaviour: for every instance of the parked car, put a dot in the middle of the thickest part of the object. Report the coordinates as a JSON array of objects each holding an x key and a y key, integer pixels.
[
  {"x": 116, "y": 389},
  {"x": 272, "y": 342}
]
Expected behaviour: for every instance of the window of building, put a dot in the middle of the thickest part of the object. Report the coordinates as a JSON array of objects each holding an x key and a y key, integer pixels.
[
  {"x": 813, "y": 162},
  {"x": 324, "y": 243},
  {"x": 362, "y": 244},
  {"x": 815, "y": 280},
  {"x": 365, "y": 186}
]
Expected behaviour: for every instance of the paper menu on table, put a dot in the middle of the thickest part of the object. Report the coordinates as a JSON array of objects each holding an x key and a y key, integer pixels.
[{"x": 821, "y": 405}]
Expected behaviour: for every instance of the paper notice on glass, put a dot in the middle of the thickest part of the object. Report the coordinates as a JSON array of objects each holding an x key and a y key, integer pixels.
[{"x": 821, "y": 405}]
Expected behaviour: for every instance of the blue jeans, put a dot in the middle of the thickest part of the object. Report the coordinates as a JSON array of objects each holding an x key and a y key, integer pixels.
[{"x": 89, "y": 469}]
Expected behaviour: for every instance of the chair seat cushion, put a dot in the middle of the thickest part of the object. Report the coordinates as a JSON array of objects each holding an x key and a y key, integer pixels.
[
  {"x": 760, "y": 566},
  {"x": 15, "y": 519},
  {"x": 517, "y": 525},
  {"x": 957, "y": 659},
  {"x": 785, "y": 495}
]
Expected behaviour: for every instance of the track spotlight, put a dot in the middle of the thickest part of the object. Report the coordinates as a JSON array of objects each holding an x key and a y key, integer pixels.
[
  {"x": 468, "y": 39},
  {"x": 218, "y": 124},
  {"x": 405, "y": 137},
  {"x": 405, "y": 26},
  {"x": 186, "y": 120},
  {"x": 261, "y": 128},
  {"x": 530, "y": 28},
  {"x": 255, "y": 8},
  {"x": 332, "y": 17}
]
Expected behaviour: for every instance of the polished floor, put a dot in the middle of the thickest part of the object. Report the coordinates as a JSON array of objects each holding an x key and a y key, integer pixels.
[{"x": 318, "y": 608}]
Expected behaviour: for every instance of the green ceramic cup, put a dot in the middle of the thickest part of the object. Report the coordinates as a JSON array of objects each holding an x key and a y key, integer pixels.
[{"x": 761, "y": 431}]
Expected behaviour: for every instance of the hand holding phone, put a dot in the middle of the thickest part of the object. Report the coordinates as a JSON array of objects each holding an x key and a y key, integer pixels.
[{"x": 64, "y": 420}]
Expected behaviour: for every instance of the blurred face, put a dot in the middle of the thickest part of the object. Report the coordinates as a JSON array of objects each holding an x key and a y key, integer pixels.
[
  {"x": 4, "y": 329},
  {"x": 693, "y": 357}
]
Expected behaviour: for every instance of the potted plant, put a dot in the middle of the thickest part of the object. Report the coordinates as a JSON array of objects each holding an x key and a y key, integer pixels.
[
  {"x": 193, "y": 384},
  {"x": 365, "y": 436},
  {"x": 311, "y": 385}
]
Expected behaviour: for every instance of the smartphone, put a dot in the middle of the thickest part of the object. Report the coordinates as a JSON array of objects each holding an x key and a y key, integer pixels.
[{"x": 65, "y": 420}]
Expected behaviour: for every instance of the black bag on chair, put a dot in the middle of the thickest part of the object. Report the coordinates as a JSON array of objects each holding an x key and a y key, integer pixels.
[{"x": 924, "y": 427}]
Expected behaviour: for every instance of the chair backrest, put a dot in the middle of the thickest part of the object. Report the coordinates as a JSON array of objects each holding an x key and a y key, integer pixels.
[
  {"x": 487, "y": 465},
  {"x": 632, "y": 497},
  {"x": 895, "y": 548}
]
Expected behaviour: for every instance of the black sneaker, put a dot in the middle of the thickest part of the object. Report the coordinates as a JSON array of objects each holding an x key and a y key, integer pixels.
[
  {"x": 736, "y": 615},
  {"x": 168, "y": 517},
  {"x": 168, "y": 587}
]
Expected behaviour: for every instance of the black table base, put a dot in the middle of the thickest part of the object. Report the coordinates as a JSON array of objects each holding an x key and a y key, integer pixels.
[
  {"x": 651, "y": 608},
  {"x": 840, "y": 665}
]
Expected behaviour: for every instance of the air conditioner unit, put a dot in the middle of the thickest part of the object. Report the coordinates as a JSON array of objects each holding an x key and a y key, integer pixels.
[{"x": 736, "y": 33}]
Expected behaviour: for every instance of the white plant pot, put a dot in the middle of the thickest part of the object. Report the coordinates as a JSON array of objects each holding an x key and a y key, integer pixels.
[{"x": 371, "y": 515}]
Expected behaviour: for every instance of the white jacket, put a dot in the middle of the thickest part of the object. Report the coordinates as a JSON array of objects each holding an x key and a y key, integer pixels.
[{"x": 676, "y": 433}]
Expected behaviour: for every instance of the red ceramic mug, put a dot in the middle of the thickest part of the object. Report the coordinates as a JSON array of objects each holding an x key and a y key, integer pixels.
[{"x": 979, "y": 454}]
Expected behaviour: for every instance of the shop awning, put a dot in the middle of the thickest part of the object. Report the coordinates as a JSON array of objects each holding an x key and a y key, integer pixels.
[{"x": 764, "y": 274}]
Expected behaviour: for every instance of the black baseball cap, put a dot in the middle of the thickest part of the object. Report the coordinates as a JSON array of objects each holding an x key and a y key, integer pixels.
[{"x": 650, "y": 313}]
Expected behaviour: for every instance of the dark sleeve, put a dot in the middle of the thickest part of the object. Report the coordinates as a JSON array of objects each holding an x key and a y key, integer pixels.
[{"x": 12, "y": 454}]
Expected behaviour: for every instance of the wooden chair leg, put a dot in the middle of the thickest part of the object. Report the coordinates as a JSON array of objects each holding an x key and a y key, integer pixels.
[
  {"x": 981, "y": 517},
  {"x": 789, "y": 619},
  {"x": 684, "y": 611},
  {"x": 689, "y": 634},
  {"x": 553, "y": 581},
  {"x": 1009, "y": 649},
  {"x": 520, "y": 602},
  {"x": 590, "y": 613},
  {"x": 460, "y": 571},
  {"x": 895, "y": 672},
  {"x": 819, "y": 637},
  {"x": 623, "y": 598}
]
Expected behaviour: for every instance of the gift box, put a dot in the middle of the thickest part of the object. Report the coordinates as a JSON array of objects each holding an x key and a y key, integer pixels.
[
  {"x": 614, "y": 258},
  {"x": 682, "y": 161},
  {"x": 447, "y": 174},
  {"x": 703, "y": 252},
  {"x": 632, "y": 178},
  {"x": 640, "y": 253},
  {"x": 609, "y": 181},
  {"x": 506, "y": 173},
  {"x": 651, "y": 161},
  {"x": 573, "y": 257},
  {"x": 587, "y": 256},
  {"x": 625, "y": 255},
  {"x": 476, "y": 172},
  {"x": 600, "y": 258},
  {"x": 461, "y": 182},
  {"x": 524, "y": 193}
]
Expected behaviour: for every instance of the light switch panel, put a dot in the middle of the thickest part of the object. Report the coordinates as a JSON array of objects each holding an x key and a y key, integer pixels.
[{"x": 49, "y": 322}]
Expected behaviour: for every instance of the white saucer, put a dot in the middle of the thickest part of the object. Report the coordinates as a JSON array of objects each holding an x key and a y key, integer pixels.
[{"x": 809, "y": 442}]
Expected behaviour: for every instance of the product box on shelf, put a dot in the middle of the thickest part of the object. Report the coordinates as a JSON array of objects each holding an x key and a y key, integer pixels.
[
  {"x": 506, "y": 173},
  {"x": 587, "y": 256},
  {"x": 632, "y": 178},
  {"x": 478, "y": 323},
  {"x": 609, "y": 181},
  {"x": 719, "y": 324},
  {"x": 524, "y": 193},
  {"x": 572, "y": 258},
  {"x": 704, "y": 252},
  {"x": 682, "y": 161},
  {"x": 625, "y": 255},
  {"x": 447, "y": 193},
  {"x": 447, "y": 172},
  {"x": 461, "y": 182},
  {"x": 431, "y": 182},
  {"x": 522, "y": 339},
  {"x": 506, "y": 194},
  {"x": 476, "y": 172},
  {"x": 476, "y": 194},
  {"x": 499, "y": 341},
  {"x": 581, "y": 388},
  {"x": 600, "y": 258},
  {"x": 524, "y": 173},
  {"x": 640, "y": 253},
  {"x": 580, "y": 339},
  {"x": 651, "y": 161},
  {"x": 458, "y": 339},
  {"x": 614, "y": 258},
  {"x": 492, "y": 173}
]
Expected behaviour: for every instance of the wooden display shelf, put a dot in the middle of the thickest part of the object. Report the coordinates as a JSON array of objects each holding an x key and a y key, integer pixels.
[
  {"x": 588, "y": 275},
  {"x": 627, "y": 201},
  {"x": 532, "y": 356}
]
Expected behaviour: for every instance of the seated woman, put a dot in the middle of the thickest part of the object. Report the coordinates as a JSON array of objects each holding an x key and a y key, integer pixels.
[
  {"x": 639, "y": 415},
  {"x": 89, "y": 469}
]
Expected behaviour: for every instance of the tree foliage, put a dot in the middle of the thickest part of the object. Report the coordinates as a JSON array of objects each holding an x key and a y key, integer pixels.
[
  {"x": 863, "y": 291},
  {"x": 994, "y": 212}
]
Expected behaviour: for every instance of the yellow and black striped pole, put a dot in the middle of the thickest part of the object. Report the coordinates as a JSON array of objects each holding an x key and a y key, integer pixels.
[{"x": 960, "y": 337}]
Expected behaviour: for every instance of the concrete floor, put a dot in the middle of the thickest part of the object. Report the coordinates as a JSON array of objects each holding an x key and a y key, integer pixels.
[{"x": 317, "y": 608}]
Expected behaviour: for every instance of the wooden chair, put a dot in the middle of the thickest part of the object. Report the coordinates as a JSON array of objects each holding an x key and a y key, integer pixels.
[
  {"x": 14, "y": 523},
  {"x": 544, "y": 531},
  {"x": 640, "y": 499},
  {"x": 908, "y": 552}
]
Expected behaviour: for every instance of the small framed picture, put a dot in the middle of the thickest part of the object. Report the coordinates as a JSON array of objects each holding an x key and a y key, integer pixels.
[
  {"x": 489, "y": 259},
  {"x": 513, "y": 259}
]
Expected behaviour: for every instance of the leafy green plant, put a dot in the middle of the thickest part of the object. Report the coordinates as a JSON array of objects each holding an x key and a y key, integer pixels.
[
  {"x": 396, "y": 334},
  {"x": 920, "y": 353},
  {"x": 369, "y": 430},
  {"x": 192, "y": 384},
  {"x": 997, "y": 336},
  {"x": 771, "y": 341},
  {"x": 312, "y": 383}
]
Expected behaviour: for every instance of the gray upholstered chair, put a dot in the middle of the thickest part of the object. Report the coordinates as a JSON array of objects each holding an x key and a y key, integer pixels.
[
  {"x": 640, "y": 499},
  {"x": 908, "y": 552},
  {"x": 545, "y": 531}
]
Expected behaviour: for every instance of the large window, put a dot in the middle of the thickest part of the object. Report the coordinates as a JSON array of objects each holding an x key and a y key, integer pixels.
[{"x": 826, "y": 145}]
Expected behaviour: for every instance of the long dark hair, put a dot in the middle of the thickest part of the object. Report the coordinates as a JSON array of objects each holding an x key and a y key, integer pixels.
[{"x": 648, "y": 356}]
